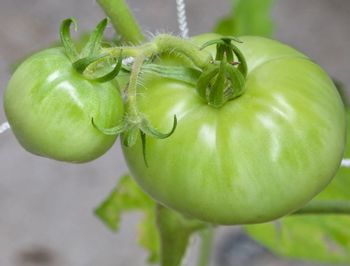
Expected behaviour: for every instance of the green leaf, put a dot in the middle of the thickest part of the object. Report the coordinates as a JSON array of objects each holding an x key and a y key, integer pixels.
[
  {"x": 93, "y": 45},
  {"x": 248, "y": 17},
  {"x": 128, "y": 196},
  {"x": 323, "y": 238},
  {"x": 81, "y": 64},
  {"x": 66, "y": 39},
  {"x": 164, "y": 233}
]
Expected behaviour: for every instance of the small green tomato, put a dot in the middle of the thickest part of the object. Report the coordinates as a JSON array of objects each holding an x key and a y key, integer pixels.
[{"x": 50, "y": 108}]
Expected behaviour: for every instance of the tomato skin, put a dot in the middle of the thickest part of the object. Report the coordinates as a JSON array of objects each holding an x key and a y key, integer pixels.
[
  {"x": 50, "y": 106},
  {"x": 259, "y": 157}
]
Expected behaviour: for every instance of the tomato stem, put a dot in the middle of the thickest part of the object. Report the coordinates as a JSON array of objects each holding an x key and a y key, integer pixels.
[
  {"x": 123, "y": 20},
  {"x": 207, "y": 237},
  {"x": 171, "y": 44},
  {"x": 131, "y": 51},
  {"x": 165, "y": 44},
  {"x": 325, "y": 207}
]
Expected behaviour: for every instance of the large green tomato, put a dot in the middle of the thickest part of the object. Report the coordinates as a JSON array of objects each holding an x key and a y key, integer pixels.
[
  {"x": 50, "y": 108},
  {"x": 260, "y": 156}
]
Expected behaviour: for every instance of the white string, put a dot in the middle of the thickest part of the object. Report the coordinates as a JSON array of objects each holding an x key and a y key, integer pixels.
[
  {"x": 345, "y": 162},
  {"x": 4, "y": 126},
  {"x": 181, "y": 18}
]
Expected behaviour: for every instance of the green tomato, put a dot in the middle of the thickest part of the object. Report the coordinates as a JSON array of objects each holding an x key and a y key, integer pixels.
[
  {"x": 50, "y": 108},
  {"x": 259, "y": 157}
]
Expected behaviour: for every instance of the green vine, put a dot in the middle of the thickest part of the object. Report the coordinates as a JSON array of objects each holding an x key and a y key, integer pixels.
[{"x": 123, "y": 20}]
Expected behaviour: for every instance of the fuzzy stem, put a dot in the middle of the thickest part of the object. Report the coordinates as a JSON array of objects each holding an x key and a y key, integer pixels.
[
  {"x": 325, "y": 207},
  {"x": 168, "y": 43},
  {"x": 123, "y": 20},
  {"x": 132, "y": 51}
]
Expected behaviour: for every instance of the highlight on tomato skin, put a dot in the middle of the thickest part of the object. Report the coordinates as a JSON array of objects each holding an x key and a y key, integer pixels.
[
  {"x": 50, "y": 108},
  {"x": 260, "y": 156}
]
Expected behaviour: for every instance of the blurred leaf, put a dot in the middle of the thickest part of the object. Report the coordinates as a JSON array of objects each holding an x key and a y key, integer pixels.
[
  {"x": 160, "y": 230},
  {"x": 149, "y": 236},
  {"x": 248, "y": 17},
  {"x": 323, "y": 238},
  {"x": 128, "y": 196}
]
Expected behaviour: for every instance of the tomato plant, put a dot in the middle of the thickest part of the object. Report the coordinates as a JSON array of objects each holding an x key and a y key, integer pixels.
[
  {"x": 253, "y": 159},
  {"x": 50, "y": 107},
  {"x": 242, "y": 134}
]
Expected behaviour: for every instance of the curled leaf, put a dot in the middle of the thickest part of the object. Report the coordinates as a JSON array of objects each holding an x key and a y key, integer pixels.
[
  {"x": 150, "y": 131},
  {"x": 216, "y": 93},
  {"x": 143, "y": 141},
  {"x": 111, "y": 75},
  {"x": 110, "y": 131},
  {"x": 237, "y": 82},
  {"x": 147, "y": 130},
  {"x": 66, "y": 38},
  {"x": 93, "y": 45},
  {"x": 81, "y": 65},
  {"x": 243, "y": 67},
  {"x": 224, "y": 46},
  {"x": 222, "y": 40},
  {"x": 204, "y": 80}
]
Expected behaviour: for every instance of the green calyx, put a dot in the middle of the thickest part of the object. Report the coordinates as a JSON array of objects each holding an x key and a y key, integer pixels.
[
  {"x": 131, "y": 128},
  {"x": 90, "y": 60},
  {"x": 224, "y": 78}
]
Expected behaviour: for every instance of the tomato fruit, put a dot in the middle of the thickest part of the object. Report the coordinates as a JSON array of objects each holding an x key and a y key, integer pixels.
[
  {"x": 50, "y": 108},
  {"x": 260, "y": 156}
]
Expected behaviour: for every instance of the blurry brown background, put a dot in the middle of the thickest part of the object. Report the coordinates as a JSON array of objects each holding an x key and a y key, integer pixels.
[{"x": 46, "y": 216}]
